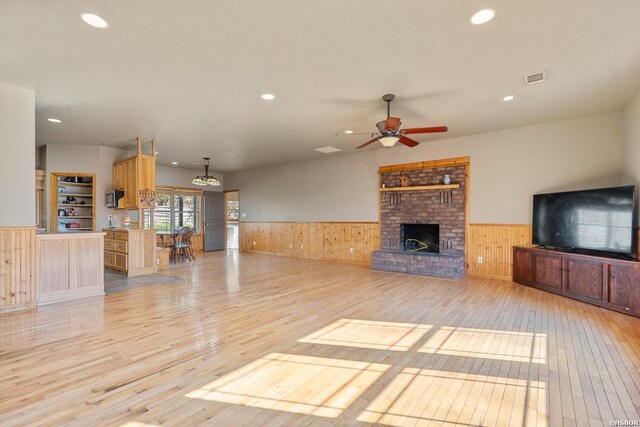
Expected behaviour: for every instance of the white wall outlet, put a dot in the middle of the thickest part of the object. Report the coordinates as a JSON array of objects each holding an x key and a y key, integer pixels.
[
  {"x": 350, "y": 250},
  {"x": 254, "y": 243},
  {"x": 158, "y": 261},
  {"x": 244, "y": 214},
  {"x": 480, "y": 260},
  {"x": 290, "y": 245},
  {"x": 301, "y": 246}
]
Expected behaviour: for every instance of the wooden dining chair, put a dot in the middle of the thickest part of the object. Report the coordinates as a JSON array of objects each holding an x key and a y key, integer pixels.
[{"x": 182, "y": 248}]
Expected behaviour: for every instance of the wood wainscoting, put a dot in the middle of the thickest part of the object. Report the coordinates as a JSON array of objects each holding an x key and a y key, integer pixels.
[
  {"x": 350, "y": 242},
  {"x": 494, "y": 243},
  {"x": 17, "y": 268}
]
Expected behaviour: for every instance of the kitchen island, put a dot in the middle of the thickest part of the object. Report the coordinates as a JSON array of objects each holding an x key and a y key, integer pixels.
[{"x": 69, "y": 266}]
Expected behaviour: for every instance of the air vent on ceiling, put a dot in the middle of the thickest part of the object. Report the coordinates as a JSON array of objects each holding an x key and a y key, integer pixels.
[
  {"x": 535, "y": 78},
  {"x": 328, "y": 149}
]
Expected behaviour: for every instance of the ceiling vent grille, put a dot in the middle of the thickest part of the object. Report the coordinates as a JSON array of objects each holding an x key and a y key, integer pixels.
[{"x": 532, "y": 79}]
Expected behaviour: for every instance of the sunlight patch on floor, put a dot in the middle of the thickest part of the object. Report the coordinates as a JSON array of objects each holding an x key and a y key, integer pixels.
[
  {"x": 287, "y": 382},
  {"x": 489, "y": 344},
  {"x": 369, "y": 334},
  {"x": 418, "y": 396}
]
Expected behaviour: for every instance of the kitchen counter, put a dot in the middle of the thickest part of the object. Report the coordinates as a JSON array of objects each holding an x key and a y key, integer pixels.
[{"x": 69, "y": 265}]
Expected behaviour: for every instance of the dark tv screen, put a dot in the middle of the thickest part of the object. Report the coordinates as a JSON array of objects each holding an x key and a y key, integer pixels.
[{"x": 599, "y": 220}]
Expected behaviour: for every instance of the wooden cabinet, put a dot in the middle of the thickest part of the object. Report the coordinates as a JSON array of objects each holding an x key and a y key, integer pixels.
[
  {"x": 136, "y": 176},
  {"x": 547, "y": 270},
  {"x": 583, "y": 278},
  {"x": 608, "y": 282},
  {"x": 119, "y": 178},
  {"x": 132, "y": 252}
]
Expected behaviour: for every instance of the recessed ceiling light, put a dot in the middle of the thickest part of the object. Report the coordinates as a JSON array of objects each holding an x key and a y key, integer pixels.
[
  {"x": 94, "y": 20},
  {"x": 328, "y": 149},
  {"x": 268, "y": 97},
  {"x": 54, "y": 120},
  {"x": 348, "y": 131},
  {"x": 174, "y": 163},
  {"x": 482, "y": 16},
  {"x": 508, "y": 98}
]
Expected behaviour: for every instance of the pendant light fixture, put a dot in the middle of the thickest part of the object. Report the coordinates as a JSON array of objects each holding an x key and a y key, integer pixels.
[{"x": 205, "y": 179}]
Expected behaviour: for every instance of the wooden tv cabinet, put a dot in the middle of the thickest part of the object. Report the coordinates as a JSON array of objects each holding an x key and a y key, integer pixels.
[{"x": 607, "y": 282}]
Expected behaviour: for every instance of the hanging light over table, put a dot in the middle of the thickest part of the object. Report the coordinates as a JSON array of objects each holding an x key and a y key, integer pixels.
[{"x": 205, "y": 179}]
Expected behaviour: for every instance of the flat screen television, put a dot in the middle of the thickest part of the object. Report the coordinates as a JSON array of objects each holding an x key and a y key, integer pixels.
[{"x": 603, "y": 219}]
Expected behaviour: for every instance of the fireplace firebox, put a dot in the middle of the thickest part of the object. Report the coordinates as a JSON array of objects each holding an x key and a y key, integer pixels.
[{"x": 420, "y": 238}]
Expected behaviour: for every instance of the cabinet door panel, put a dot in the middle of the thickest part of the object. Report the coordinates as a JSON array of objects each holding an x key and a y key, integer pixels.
[
  {"x": 624, "y": 287},
  {"x": 120, "y": 261},
  {"x": 130, "y": 186},
  {"x": 584, "y": 278},
  {"x": 522, "y": 266},
  {"x": 547, "y": 270},
  {"x": 108, "y": 259}
]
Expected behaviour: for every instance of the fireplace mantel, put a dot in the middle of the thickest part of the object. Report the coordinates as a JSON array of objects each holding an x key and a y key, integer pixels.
[{"x": 422, "y": 187}]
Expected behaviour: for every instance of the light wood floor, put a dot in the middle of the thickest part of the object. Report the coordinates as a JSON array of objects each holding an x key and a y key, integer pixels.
[{"x": 259, "y": 340}]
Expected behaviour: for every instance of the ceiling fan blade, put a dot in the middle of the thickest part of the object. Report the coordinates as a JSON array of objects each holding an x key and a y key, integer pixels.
[
  {"x": 434, "y": 129},
  {"x": 407, "y": 141},
  {"x": 369, "y": 142},
  {"x": 392, "y": 123}
]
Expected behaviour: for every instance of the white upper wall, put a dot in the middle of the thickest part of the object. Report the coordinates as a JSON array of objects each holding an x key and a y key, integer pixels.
[
  {"x": 507, "y": 168},
  {"x": 631, "y": 163},
  {"x": 17, "y": 156}
]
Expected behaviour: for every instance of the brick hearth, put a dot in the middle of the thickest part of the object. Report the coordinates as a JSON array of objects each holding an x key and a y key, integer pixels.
[{"x": 443, "y": 207}]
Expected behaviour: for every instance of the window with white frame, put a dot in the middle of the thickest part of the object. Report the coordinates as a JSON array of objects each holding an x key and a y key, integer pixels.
[{"x": 175, "y": 209}]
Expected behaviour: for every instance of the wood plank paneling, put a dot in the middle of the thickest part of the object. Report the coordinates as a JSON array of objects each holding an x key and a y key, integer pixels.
[
  {"x": 69, "y": 266},
  {"x": 17, "y": 268},
  {"x": 350, "y": 242},
  {"x": 494, "y": 243},
  {"x": 332, "y": 241}
]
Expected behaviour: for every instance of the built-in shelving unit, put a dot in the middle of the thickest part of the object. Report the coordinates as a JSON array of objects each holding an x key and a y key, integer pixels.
[
  {"x": 72, "y": 202},
  {"x": 422, "y": 187}
]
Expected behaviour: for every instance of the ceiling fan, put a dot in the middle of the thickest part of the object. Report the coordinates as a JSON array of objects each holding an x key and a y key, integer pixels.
[{"x": 389, "y": 132}]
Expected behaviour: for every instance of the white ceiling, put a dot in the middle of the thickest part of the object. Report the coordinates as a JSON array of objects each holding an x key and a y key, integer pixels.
[{"x": 190, "y": 73}]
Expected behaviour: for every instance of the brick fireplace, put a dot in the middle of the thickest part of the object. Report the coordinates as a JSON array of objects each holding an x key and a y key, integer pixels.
[{"x": 423, "y": 230}]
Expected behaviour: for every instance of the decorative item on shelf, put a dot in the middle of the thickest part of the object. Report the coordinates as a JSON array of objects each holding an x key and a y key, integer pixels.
[
  {"x": 62, "y": 212},
  {"x": 70, "y": 200},
  {"x": 68, "y": 179},
  {"x": 72, "y": 225},
  {"x": 205, "y": 179},
  {"x": 447, "y": 179},
  {"x": 62, "y": 189},
  {"x": 147, "y": 198},
  {"x": 404, "y": 180},
  {"x": 127, "y": 222}
]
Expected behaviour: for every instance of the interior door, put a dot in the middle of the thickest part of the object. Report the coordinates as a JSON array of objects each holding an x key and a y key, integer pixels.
[{"x": 213, "y": 221}]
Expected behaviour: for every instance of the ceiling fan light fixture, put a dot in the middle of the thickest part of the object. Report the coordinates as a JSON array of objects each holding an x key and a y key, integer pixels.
[
  {"x": 389, "y": 141},
  {"x": 203, "y": 180}
]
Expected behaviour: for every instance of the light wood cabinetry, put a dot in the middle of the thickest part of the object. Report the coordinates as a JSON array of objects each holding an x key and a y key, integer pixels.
[
  {"x": 136, "y": 176},
  {"x": 607, "y": 282},
  {"x": 119, "y": 176},
  {"x": 132, "y": 252},
  {"x": 72, "y": 206},
  {"x": 69, "y": 266}
]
